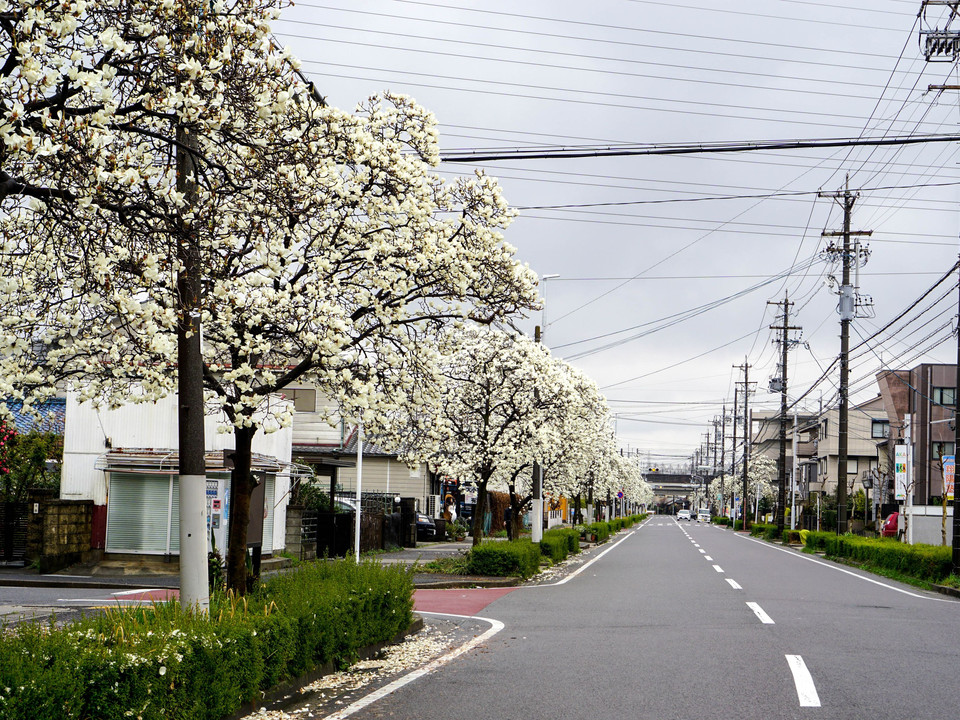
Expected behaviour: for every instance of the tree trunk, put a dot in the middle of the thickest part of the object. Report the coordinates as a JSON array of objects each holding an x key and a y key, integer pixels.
[{"x": 241, "y": 486}]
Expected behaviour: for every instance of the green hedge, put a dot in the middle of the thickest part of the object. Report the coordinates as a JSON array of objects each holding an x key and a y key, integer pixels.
[
  {"x": 157, "y": 662},
  {"x": 932, "y": 563},
  {"x": 558, "y": 543},
  {"x": 504, "y": 559}
]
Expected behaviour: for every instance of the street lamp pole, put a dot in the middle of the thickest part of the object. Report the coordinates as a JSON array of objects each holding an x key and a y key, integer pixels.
[{"x": 536, "y": 524}]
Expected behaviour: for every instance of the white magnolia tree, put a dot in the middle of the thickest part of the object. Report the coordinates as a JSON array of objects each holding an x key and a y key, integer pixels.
[
  {"x": 496, "y": 391},
  {"x": 148, "y": 141}
]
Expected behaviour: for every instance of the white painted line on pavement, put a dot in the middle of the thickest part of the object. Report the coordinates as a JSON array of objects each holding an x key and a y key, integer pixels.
[
  {"x": 717, "y": 568},
  {"x": 708, "y": 558},
  {"x": 734, "y": 584},
  {"x": 847, "y": 572},
  {"x": 495, "y": 627},
  {"x": 806, "y": 690},
  {"x": 703, "y": 551},
  {"x": 758, "y": 611},
  {"x": 572, "y": 575}
]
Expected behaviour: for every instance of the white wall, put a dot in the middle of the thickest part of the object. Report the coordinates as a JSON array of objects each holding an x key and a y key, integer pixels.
[{"x": 151, "y": 426}]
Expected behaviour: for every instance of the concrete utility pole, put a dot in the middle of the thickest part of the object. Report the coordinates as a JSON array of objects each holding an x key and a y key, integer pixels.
[
  {"x": 733, "y": 454},
  {"x": 536, "y": 520},
  {"x": 723, "y": 456},
  {"x": 194, "y": 585},
  {"x": 782, "y": 462},
  {"x": 746, "y": 437},
  {"x": 943, "y": 45},
  {"x": 848, "y": 311}
]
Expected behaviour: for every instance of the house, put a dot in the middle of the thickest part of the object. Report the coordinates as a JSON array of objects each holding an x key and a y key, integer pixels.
[
  {"x": 125, "y": 461},
  {"x": 818, "y": 449},
  {"x": 765, "y": 439},
  {"x": 327, "y": 442}
]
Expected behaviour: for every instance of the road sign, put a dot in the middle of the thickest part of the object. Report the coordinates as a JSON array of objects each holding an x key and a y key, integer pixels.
[{"x": 900, "y": 470}]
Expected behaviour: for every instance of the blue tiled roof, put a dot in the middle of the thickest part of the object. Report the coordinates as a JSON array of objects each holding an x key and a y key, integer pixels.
[{"x": 52, "y": 416}]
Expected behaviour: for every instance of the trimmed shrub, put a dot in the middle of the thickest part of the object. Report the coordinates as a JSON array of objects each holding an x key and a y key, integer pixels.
[
  {"x": 816, "y": 540},
  {"x": 504, "y": 559},
  {"x": 557, "y": 543},
  {"x": 158, "y": 662}
]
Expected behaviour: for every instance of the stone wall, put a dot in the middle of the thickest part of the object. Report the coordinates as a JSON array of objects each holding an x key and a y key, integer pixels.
[
  {"x": 296, "y": 544},
  {"x": 59, "y": 531}
]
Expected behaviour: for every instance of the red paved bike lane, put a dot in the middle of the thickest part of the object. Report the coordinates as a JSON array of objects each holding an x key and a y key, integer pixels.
[{"x": 458, "y": 601}]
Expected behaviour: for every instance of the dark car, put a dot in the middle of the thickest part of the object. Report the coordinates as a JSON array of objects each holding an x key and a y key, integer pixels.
[
  {"x": 889, "y": 526},
  {"x": 426, "y": 529}
]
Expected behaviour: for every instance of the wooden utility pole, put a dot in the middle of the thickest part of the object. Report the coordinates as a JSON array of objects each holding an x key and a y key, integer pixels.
[
  {"x": 848, "y": 310},
  {"x": 733, "y": 453},
  {"x": 782, "y": 462}
]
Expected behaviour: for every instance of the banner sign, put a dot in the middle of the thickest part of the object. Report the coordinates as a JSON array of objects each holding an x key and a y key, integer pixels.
[
  {"x": 900, "y": 471},
  {"x": 948, "y": 472}
]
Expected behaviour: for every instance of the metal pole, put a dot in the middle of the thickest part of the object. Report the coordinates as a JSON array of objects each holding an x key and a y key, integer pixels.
[
  {"x": 746, "y": 437},
  {"x": 356, "y": 515},
  {"x": 536, "y": 512},
  {"x": 956, "y": 449}
]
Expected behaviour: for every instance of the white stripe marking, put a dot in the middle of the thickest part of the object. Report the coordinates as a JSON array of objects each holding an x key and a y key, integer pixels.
[
  {"x": 734, "y": 584},
  {"x": 572, "y": 575},
  {"x": 717, "y": 567},
  {"x": 758, "y": 611},
  {"x": 695, "y": 545},
  {"x": 806, "y": 690},
  {"x": 848, "y": 572},
  {"x": 708, "y": 558},
  {"x": 495, "y": 627},
  {"x": 703, "y": 551}
]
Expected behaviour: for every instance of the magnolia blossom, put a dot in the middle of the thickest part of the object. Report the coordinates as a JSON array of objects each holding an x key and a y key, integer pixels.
[{"x": 143, "y": 139}]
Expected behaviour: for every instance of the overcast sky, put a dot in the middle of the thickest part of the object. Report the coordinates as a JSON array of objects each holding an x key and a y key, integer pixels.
[{"x": 708, "y": 238}]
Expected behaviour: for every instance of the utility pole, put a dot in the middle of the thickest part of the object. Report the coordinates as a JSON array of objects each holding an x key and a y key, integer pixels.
[
  {"x": 733, "y": 454},
  {"x": 782, "y": 462},
  {"x": 194, "y": 585},
  {"x": 943, "y": 45},
  {"x": 848, "y": 310},
  {"x": 536, "y": 521},
  {"x": 723, "y": 456},
  {"x": 746, "y": 437}
]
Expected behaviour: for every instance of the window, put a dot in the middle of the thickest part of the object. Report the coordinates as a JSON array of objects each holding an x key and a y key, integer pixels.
[
  {"x": 303, "y": 400},
  {"x": 945, "y": 396},
  {"x": 879, "y": 428},
  {"x": 851, "y": 466},
  {"x": 939, "y": 449}
]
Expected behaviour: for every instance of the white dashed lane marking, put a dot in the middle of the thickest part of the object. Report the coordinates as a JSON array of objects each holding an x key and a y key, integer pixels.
[
  {"x": 758, "y": 611},
  {"x": 734, "y": 584},
  {"x": 806, "y": 690}
]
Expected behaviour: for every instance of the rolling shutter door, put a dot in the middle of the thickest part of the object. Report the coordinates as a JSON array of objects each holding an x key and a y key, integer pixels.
[{"x": 138, "y": 513}]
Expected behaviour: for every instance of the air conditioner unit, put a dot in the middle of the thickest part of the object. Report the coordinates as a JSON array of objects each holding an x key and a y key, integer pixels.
[{"x": 434, "y": 506}]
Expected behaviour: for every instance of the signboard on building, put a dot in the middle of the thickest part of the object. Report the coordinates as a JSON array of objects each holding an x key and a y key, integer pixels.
[
  {"x": 900, "y": 471},
  {"x": 948, "y": 472}
]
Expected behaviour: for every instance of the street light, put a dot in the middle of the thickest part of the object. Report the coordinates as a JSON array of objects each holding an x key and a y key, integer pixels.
[{"x": 536, "y": 526}]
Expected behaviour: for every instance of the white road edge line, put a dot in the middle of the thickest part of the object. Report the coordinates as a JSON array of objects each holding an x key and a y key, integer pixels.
[
  {"x": 495, "y": 627},
  {"x": 806, "y": 690},
  {"x": 734, "y": 584},
  {"x": 758, "y": 611},
  {"x": 572, "y": 575},
  {"x": 717, "y": 568},
  {"x": 848, "y": 572},
  {"x": 708, "y": 558}
]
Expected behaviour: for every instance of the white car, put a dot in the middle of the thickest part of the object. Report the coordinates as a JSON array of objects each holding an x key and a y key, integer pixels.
[
  {"x": 684, "y": 515},
  {"x": 703, "y": 516}
]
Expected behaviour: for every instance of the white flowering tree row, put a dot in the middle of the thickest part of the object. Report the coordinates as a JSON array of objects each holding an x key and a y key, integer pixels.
[
  {"x": 507, "y": 403},
  {"x": 761, "y": 476},
  {"x": 326, "y": 250}
]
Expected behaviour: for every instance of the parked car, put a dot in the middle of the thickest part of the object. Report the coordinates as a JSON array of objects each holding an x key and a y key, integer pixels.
[
  {"x": 703, "y": 516},
  {"x": 889, "y": 526},
  {"x": 684, "y": 515},
  {"x": 426, "y": 528}
]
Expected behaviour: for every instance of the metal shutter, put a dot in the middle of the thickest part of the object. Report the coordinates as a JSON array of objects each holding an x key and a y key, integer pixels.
[{"x": 138, "y": 513}]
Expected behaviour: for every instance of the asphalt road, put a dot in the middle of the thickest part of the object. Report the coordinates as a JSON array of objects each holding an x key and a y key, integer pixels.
[{"x": 693, "y": 621}]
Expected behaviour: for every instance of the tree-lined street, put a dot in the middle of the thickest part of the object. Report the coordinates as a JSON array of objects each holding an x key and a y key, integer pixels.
[{"x": 692, "y": 621}]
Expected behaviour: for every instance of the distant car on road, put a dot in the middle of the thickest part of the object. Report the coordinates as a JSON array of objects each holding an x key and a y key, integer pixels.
[
  {"x": 889, "y": 526},
  {"x": 703, "y": 516},
  {"x": 684, "y": 515}
]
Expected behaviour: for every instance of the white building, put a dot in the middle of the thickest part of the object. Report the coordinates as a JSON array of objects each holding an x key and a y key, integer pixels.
[{"x": 125, "y": 460}]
